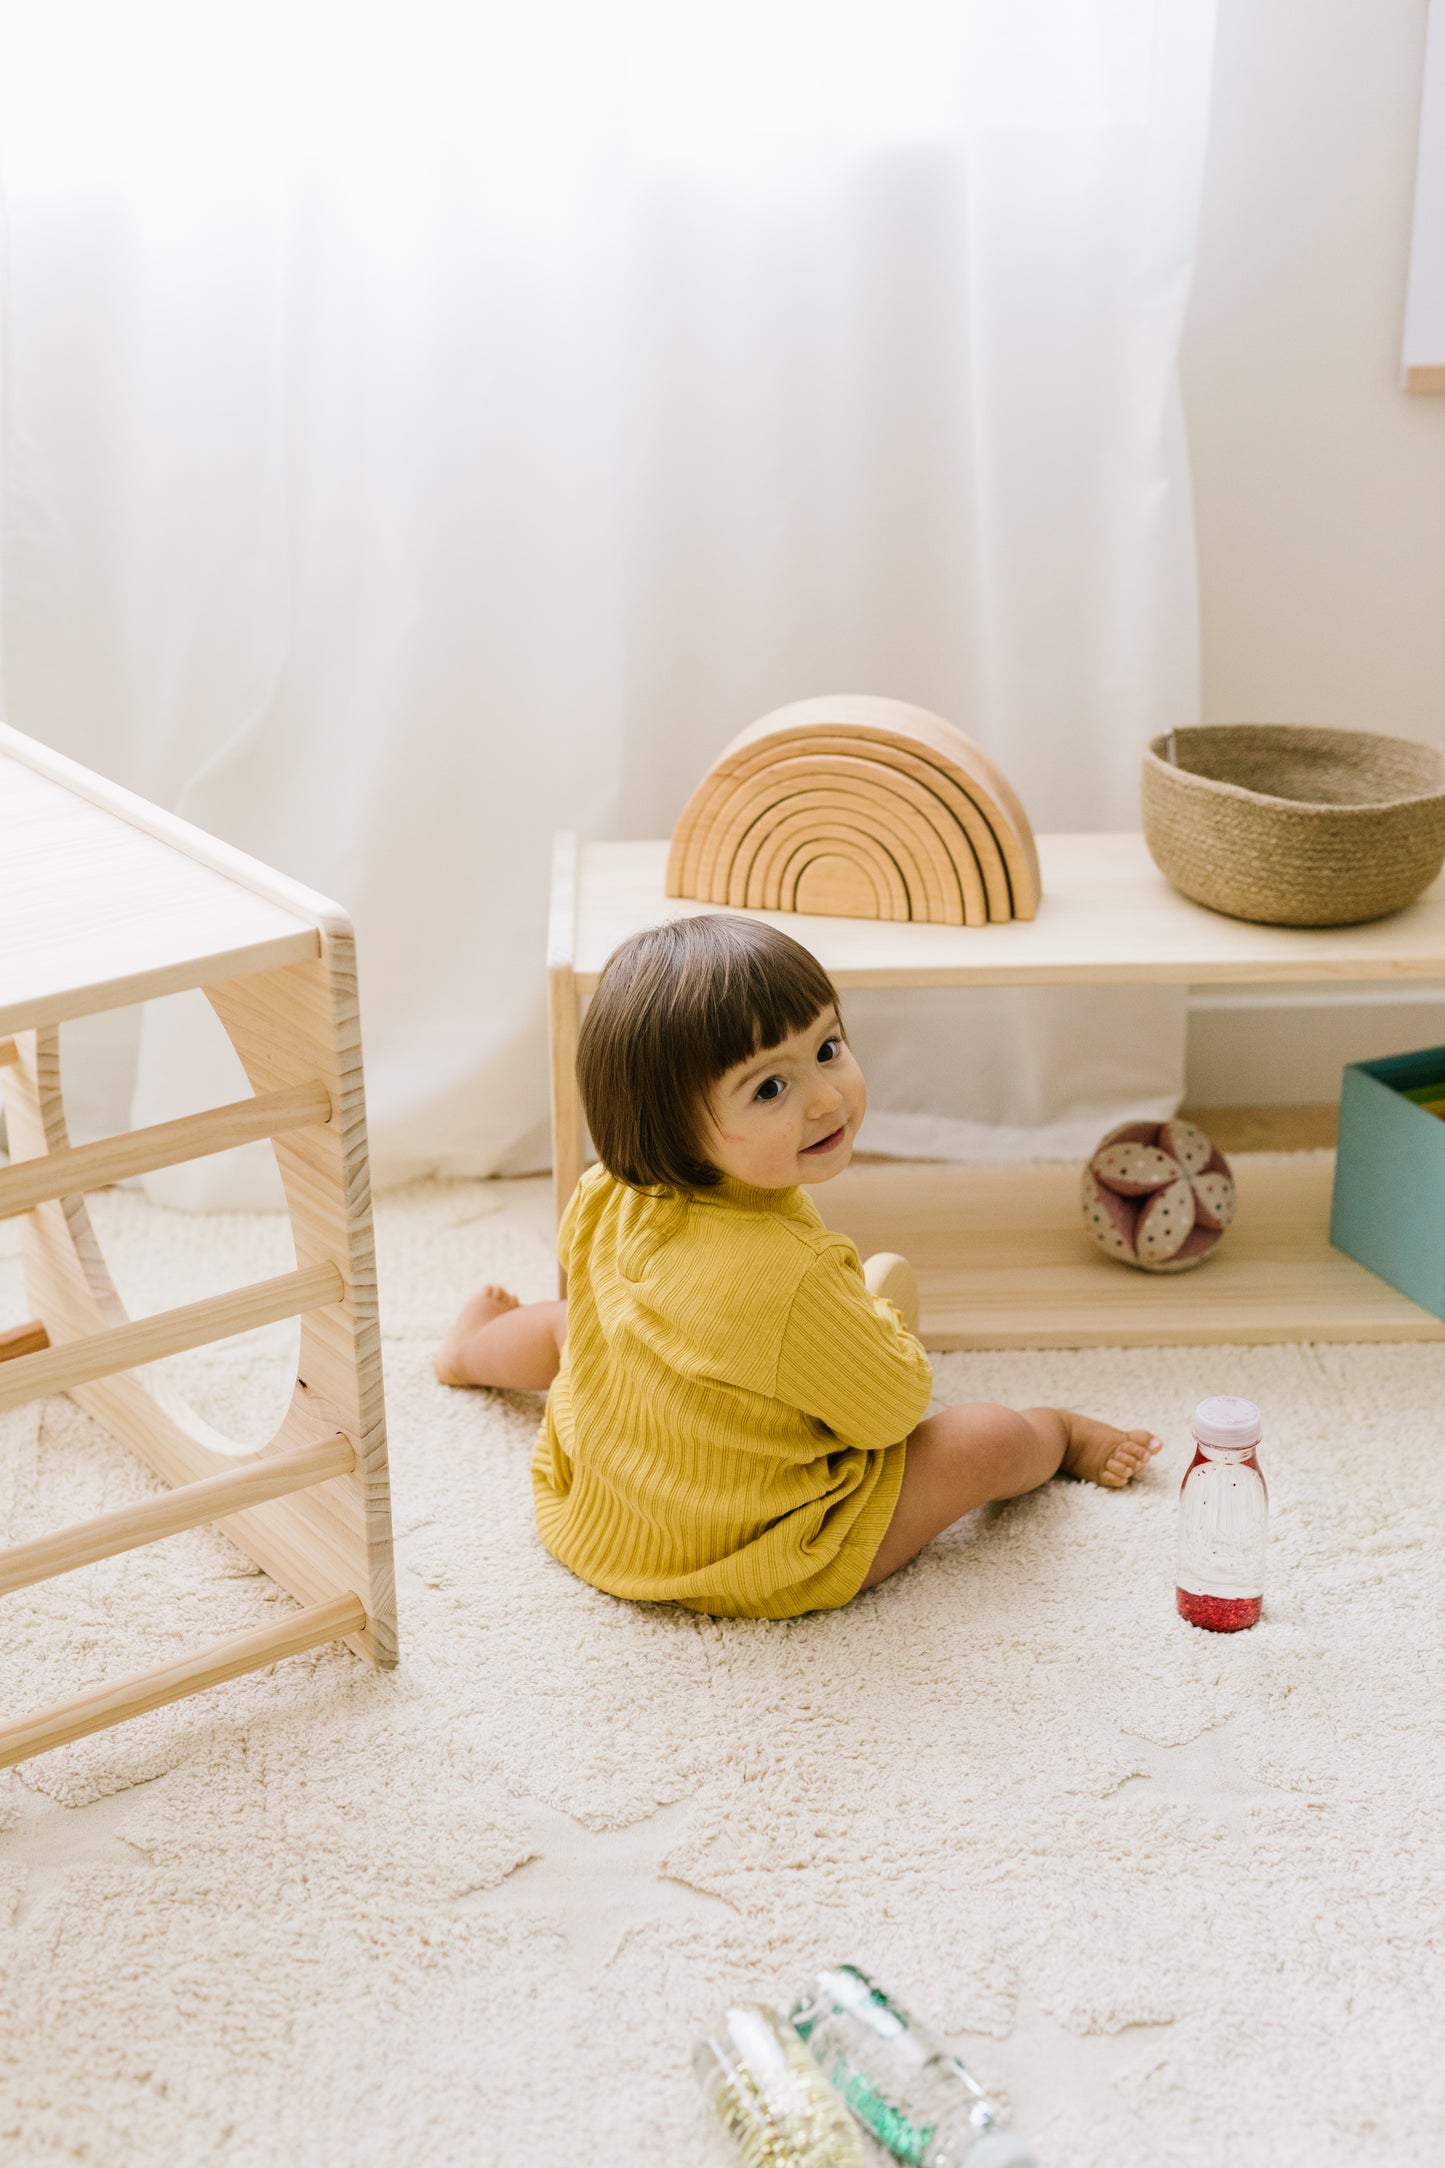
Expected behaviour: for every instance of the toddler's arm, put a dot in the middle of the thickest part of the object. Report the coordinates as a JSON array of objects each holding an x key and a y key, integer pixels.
[
  {"x": 890, "y": 1278},
  {"x": 848, "y": 1361}
]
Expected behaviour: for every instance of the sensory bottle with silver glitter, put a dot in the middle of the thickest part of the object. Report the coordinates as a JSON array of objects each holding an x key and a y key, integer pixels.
[
  {"x": 1223, "y": 1519},
  {"x": 901, "y": 2081},
  {"x": 770, "y": 2094}
]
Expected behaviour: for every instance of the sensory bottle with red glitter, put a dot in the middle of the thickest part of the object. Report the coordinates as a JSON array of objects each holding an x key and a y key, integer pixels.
[{"x": 1223, "y": 1519}]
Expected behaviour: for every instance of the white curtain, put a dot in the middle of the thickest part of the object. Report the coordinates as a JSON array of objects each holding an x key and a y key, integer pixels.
[{"x": 430, "y": 426}]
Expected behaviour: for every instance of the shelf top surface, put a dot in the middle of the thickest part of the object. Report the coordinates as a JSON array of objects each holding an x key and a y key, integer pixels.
[
  {"x": 96, "y": 913},
  {"x": 1108, "y": 917}
]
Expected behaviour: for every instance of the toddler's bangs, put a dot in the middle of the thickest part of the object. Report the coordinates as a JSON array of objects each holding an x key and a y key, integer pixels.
[{"x": 758, "y": 995}]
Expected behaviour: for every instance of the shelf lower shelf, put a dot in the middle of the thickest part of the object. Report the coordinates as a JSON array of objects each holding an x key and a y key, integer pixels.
[{"x": 1003, "y": 1261}]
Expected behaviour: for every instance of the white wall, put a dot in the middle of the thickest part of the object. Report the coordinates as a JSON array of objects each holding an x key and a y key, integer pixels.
[{"x": 1320, "y": 486}]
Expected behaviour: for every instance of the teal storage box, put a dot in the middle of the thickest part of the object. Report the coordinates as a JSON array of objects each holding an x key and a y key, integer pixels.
[{"x": 1388, "y": 1211}]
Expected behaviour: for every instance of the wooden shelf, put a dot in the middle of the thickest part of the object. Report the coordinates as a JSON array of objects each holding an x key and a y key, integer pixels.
[
  {"x": 1000, "y": 1251},
  {"x": 1003, "y": 1261},
  {"x": 1276, "y": 1128},
  {"x": 1107, "y": 917}
]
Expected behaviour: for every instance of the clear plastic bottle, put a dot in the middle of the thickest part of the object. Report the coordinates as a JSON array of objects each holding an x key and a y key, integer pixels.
[
  {"x": 1223, "y": 1519},
  {"x": 770, "y": 2094},
  {"x": 901, "y": 2081}
]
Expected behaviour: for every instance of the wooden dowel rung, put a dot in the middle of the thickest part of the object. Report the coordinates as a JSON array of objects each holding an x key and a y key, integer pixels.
[
  {"x": 142, "y": 1690},
  {"x": 147, "y": 1339},
  {"x": 84, "y": 1167},
  {"x": 9, "y": 1052},
  {"x": 28, "y": 1339},
  {"x": 269, "y": 1475}
]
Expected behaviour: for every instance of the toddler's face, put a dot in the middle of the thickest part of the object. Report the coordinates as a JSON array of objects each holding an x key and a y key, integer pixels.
[{"x": 790, "y": 1114}]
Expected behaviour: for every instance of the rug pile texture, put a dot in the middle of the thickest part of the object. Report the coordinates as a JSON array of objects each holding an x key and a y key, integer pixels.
[{"x": 1181, "y": 1898}]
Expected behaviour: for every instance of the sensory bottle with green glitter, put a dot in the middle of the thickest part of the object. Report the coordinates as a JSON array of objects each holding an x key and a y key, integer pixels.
[
  {"x": 899, "y": 2079},
  {"x": 770, "y": 2094}
]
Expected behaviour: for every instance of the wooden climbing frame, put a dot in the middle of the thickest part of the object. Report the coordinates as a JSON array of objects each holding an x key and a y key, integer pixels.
[{"x": 106, "y": 901}]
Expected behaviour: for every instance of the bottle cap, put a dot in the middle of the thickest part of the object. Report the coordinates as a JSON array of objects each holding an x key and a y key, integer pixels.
[
  {"x": 1228, "y": 1421},
  {"x": 1000, "y": 2149}
]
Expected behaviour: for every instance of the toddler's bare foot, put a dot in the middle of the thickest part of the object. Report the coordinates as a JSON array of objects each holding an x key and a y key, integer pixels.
[
  {"x": 478, "y": 1309},
  {"x": 1097, "y": 1453}
]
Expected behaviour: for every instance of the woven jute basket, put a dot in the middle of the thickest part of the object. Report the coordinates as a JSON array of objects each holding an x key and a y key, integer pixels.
[{"x": 1294, "y": 826}]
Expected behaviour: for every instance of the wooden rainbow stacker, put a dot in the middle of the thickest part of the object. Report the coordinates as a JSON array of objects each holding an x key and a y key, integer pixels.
[
  {"x": 106, "y": 901},
  {"x": 1000, "y": 1251}
]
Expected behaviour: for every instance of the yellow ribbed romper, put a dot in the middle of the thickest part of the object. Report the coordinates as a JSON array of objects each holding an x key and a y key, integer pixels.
[{"x": 727, "y": 1428}]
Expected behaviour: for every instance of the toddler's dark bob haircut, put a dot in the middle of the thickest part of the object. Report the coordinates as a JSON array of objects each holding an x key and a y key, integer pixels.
[{"x": 676, "y": 1007}]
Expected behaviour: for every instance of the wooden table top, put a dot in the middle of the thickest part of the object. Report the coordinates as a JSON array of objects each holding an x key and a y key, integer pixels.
[
  {"x": 1108, "y": 917},
  {"x": 98, "y": 910}
]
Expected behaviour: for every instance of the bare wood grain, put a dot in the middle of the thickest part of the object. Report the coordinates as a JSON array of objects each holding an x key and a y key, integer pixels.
[
  {"x": 28, "y": 1339},
  {"x": 1003, "y": 1261},
  {"x": 278, "y": 963},
  {"x": 563, "y": 1020},
  {"x": 877, "y": 733},
  {"x": 148, "y": 1339},
  {"x": 1108, "y": 918},
  {"x": 106, "y": 1535},
  {"x": 1282, "y": 1128},
  {"x": 743, "y": 786},
  {"x": 340, "y": 1618},
  {"x": 164, "y": 1144},
  {"x": 289, "y": 1026}
]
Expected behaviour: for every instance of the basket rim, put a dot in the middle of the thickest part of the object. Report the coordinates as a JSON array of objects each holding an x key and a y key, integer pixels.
[{"x": 1153, "y": 756}]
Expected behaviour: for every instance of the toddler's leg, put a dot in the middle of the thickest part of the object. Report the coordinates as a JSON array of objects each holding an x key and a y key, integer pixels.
[
  {"x": 497, "y": 1340},
  {"x": 976, "y": 1454}
]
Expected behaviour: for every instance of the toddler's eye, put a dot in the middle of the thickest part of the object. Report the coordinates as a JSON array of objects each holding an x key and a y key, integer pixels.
[
  {"x": 828, "y": 1051},
  {"x": 769, "y": 1088}
]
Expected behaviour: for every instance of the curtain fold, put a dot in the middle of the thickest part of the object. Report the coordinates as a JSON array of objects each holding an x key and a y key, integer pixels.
[{"x": 424, "y": 431}]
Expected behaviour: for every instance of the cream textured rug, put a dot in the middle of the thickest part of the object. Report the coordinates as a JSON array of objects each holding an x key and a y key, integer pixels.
[{"x": 1181, "y": 1897}]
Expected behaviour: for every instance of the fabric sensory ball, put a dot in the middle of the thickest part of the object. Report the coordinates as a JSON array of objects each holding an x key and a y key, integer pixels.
[{"x": 1158, "y": 1195}]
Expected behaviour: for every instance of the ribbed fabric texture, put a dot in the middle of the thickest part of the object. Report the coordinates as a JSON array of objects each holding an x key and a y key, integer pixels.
[{"x": 727, "y": 1428}]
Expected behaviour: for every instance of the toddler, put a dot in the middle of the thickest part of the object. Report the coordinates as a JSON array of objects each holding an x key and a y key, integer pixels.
[{"x": 735, "y": 1422}]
